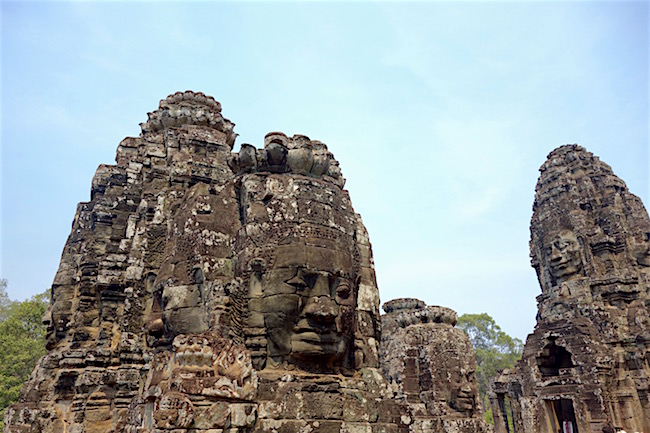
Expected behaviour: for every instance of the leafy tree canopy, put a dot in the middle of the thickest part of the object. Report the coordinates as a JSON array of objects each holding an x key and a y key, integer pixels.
[
  {"x": 22, "y": 342},
  {"x": 4, "y": 300},
  {"x": 494, "y": 351}
]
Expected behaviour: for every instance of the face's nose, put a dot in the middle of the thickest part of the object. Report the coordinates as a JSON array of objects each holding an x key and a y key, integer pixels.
[
  {"x": 321, "y": 308},
  {"x": 321, "y": 286},
  {"x": 556, "y": 254},
  {"x": 47, "y": 317}
]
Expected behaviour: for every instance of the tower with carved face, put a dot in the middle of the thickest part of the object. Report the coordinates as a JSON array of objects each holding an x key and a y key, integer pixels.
[
  {"x": 298, "y": 259},
  {"x": 206, "y": 290},
  {"x": 587, "y": 361},
  {"x": 431, "y": 363}
]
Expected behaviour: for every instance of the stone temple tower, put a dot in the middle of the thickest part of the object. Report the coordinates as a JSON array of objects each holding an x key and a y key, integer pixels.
[
  {"x": 586, "y": 365},
  {"x": 206, "y": 290}
]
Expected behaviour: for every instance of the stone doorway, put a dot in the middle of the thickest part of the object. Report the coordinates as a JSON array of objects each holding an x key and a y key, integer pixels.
[
  {"x": 506, "y": 414},
  {"x": 563, "y": 417}
]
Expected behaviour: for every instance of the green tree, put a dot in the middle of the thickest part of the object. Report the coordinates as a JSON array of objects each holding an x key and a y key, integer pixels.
[
  {"x": 4, "y": 300},
  {"x": 22, "y": 343},
  {"x": 494, "y": 351}
]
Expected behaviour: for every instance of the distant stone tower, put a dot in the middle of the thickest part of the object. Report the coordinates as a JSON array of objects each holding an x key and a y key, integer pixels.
[
  {"x": 203, "y": 290},
  {"x": 431, "y": 363},
  {"x": 586, "y": 364}
]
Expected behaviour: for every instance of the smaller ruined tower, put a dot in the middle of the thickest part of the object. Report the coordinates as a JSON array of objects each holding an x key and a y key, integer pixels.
[{"x": 431, "y": 364}]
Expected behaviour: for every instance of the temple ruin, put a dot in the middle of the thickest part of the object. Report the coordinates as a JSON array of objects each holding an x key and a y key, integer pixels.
[
  {"x": 206, "y": 290},
  {"x": 203, "y": 290},
  {"x": 585, "y": 368},
  {"x": 432, "y": 364}
]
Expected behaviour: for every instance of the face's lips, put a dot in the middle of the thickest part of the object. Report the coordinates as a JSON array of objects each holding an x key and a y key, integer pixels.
[
  {"x": 560, "y": 263},
  {"x": 464, "y": 401},
  {"x": 309, "y": 343},
  {"x": 562, "y": 267},
  {"x": 313, "y": 336}
]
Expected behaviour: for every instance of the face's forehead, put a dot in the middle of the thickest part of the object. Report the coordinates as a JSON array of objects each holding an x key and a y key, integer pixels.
[
  {"x": 455, "y": 356},
  {"x": 564, "y": 236},
  {"x": 324, "y": 257}
]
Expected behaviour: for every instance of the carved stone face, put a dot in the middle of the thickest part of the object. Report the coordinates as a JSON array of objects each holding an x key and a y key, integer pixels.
[
  {"x": 57, "y": 317},
  {"x": 299, "y": 260},
  {"x": 564, "y": 256},
  {"x": 464, "y": 391},
  {"x": 176, "y": 309},
  {"x": 309, "y": 303},
  {"x": 47, "y": 322},
  {"x": 448, "y": 360},
  {"x": 183, "y": 310},
  {"x": 456, "y": 379}
]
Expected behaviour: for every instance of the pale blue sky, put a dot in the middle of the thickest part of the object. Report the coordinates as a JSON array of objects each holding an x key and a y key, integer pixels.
[{"x": 440, "y": 114}]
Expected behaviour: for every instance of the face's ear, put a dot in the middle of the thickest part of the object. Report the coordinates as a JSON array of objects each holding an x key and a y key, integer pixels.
[
  {"x": 257, "y": 268},
  {"x": 155, "y": 291}
]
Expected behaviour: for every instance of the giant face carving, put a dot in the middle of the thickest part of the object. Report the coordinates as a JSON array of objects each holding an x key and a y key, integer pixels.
[
  {"x": 309, "y": 298},
  {"x": 454, "y": 369},
  {"x": 464, "y": 391},
  {"x": 298, "y": 251},
  {"x": 58, "y": 315},
  {"x": 564, "y": 256},
  {"x": 439, "y": 364}
]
